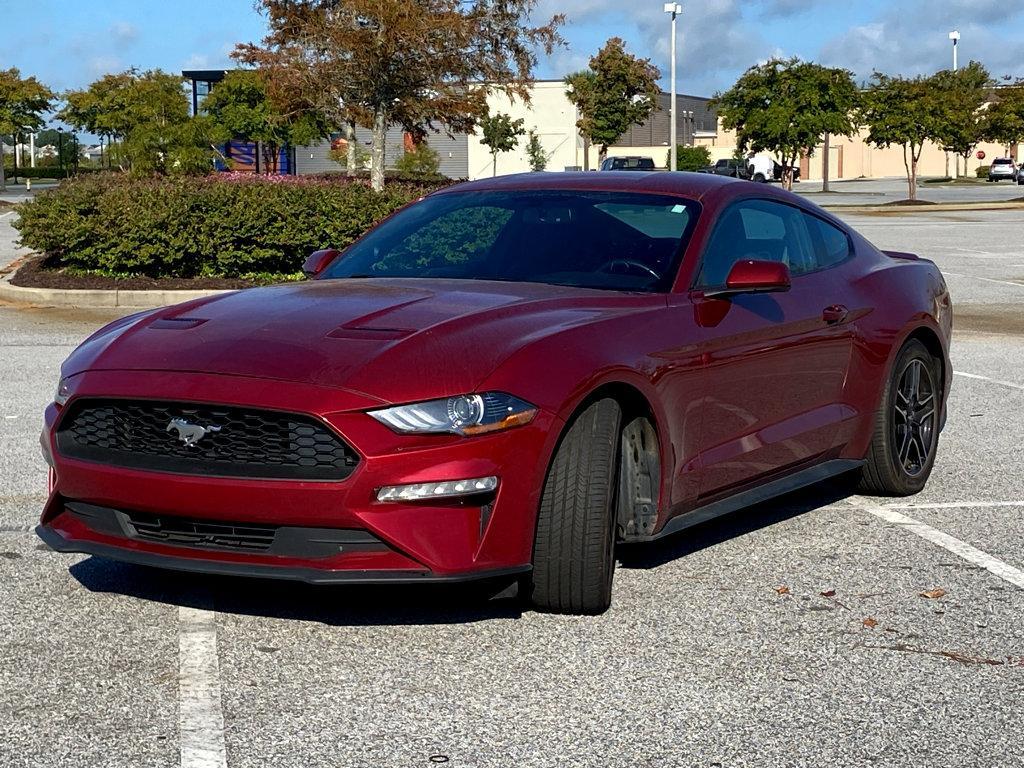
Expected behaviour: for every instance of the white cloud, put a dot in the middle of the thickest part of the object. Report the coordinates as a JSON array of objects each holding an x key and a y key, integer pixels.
[
  {"x": 123, "y": 34},
  {"x": 913, "y": 40}
]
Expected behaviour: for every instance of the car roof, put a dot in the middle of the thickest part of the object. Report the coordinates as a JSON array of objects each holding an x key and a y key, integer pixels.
[{"x": 682, "y": 183}]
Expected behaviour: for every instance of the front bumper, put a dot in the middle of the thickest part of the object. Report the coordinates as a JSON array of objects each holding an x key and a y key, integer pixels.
[
  {"x": 440, "y": 540},
  {"x": 310, "y": 575}
]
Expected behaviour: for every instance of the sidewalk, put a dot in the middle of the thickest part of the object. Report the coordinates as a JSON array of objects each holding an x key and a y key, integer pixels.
[
  {"x": 872, "y": 192},
  {"x": 8, "y": 238}
]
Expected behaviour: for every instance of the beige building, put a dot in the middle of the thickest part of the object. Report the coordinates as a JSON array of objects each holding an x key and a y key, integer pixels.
[{"x": 853, "y": 158}]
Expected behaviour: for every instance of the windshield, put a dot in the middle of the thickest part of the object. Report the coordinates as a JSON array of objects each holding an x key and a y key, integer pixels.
[{"x": 605, "y": 240}]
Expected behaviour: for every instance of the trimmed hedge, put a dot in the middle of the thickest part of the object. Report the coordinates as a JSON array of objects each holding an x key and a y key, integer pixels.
[
  {"x": 223, "y": 225},
  {"x": 46, "y": 172}
]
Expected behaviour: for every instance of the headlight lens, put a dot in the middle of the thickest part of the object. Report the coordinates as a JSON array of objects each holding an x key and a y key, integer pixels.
[
  {"x": 463, "y": 415},
  {"x": 63, "y": 392}
]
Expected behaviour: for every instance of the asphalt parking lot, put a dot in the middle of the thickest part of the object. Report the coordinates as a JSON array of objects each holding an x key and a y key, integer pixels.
[{"x": 793, "y": 633}]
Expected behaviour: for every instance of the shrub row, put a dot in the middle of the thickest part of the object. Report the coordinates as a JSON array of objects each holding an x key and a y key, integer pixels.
[
  {"x": 224, "y": 225},
  {"x": 46, "y": 172}
]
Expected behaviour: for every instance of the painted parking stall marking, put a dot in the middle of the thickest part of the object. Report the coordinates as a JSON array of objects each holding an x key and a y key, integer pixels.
[
  {"x": 956, "y": 546},
  {"x": 1000, "y": 382},
  {"x": 200, "y": 717}
]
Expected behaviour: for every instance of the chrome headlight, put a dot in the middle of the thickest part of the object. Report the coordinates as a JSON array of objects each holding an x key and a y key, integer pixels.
[
  {"x": 463, "y": 415},
  {"x": 63, "y": 392}
]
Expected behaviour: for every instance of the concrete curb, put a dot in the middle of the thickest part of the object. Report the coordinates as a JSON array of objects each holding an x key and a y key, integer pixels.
[
  {"x": 875, "y": 208},
  {"x": 96, "y": 298}
]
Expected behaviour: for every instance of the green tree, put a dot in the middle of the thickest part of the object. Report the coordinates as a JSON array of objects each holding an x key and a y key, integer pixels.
[
  {"x": 906, "y": 112},
  {"x": 422, "y": 160},
  {"x": 239, "y": 107},
  {"x": 786, "y": 107},
  {"x": 616, "y": 92},
  {"x": 148, "y": 114},
  {"x": 536, "y": 153},
  {"x": 691, "y": 158},
  {"x": 961, "y": 120},
  {"x": 23, "y": 101},
  {"x": 1004, "y": 118},
  {"x": 381, "y": 63},
  {"x": 501, "y": 134}
]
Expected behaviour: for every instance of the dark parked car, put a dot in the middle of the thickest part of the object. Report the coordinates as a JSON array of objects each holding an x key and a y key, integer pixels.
[
  {"x": 504, "y": 380},
  {"x": 628, "y": 163},
  {"x": 738, "y": 169}
]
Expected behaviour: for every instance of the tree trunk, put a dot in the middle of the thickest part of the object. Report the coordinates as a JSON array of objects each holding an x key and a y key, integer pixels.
[
  {"x": 350, "y": 149},
  {"x": 3, "y": 180},
  {"x": 824, "y": 166},
  {"x": 911, "y": 180},
  {"x": 586, "y": 154},
  {"x": 494, "y": 163},
  {"x": 913, "y": 175},
  {"x": 377, "y": 154}
]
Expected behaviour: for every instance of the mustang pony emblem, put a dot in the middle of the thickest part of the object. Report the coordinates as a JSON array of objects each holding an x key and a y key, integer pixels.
[{"x": 188, "y": 433}]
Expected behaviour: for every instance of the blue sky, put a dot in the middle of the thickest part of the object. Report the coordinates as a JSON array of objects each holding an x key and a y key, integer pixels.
[{"x": 68, "y": 44}]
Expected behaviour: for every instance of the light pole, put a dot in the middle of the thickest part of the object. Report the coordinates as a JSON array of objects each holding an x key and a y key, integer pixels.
[
  {"x": 675, "y": 9},
  {"x": 955, "y": 37}
]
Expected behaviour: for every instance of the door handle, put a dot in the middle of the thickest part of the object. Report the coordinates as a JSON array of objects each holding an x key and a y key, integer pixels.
[{"x": 835, "y": 313}]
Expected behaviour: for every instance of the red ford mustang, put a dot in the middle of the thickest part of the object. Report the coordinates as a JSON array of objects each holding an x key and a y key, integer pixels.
[{"x": 505, "y": 379}]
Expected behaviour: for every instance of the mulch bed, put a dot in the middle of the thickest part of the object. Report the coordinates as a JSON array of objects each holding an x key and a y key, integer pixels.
[
  {"x": 912, "y": 203},
  {"x": 6, "y": 206},
  {"x": 34, "y": 273}
]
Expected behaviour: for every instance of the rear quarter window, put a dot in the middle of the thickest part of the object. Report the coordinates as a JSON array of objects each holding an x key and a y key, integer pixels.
[{"x": 832, "y": 245}]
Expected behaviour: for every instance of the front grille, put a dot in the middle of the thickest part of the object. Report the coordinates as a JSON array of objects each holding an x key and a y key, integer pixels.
[
  {"x": 193, "y": 533},
  {"x": 229, "y": 441},
  {"x": 266, "y": 538}
]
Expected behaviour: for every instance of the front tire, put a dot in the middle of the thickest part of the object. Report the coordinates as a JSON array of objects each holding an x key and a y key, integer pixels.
[
  {"x": 760, "y": 178},
  {"x": 902, "y": 451},
  {"x": 574, "y": 546}
]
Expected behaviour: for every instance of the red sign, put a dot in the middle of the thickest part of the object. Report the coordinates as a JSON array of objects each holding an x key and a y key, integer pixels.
[{"x": 981, "y": 154}]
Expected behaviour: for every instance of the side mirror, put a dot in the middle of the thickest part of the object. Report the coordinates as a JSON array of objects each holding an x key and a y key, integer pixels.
[
  {"x": 752, "y": 276},
  {"x": 317, "y": 261}
]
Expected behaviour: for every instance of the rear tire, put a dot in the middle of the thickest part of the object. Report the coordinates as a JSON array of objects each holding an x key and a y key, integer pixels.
[
  {"x": 574, "y": 546},
  {"x": 760, "y": 178},
  {"x": 903, "y": 447}
]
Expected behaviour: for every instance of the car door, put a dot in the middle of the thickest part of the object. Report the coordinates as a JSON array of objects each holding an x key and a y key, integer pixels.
[{"x": 775, "y": 363}]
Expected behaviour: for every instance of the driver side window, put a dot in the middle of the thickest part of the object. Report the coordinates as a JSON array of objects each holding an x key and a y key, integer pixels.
[{"x": 761, "y": 230}]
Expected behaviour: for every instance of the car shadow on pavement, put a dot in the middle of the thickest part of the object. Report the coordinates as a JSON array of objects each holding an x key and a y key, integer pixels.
[
  {"x": 330, "y": 605},
  {"x": 650, "y": 555}
]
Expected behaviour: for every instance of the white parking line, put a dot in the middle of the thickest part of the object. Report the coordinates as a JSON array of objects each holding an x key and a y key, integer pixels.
[
  {"x": 1002, "y": 382},
  {"x": 9, "y": 213},
  {"x": 952, "y": 505},
  {"x": 200, "y": 718},
  {"x": 958, "y": 547},
  {"x": 987, "y": 280}
]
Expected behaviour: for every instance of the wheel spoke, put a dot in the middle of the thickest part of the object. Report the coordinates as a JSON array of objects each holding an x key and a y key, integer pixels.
[
  {"x": 914, "y": 378},
  {"x": 922, "y": 452},
  {"x": 904, "y": 452},
  {"x": 925, "y": 415},
  {"x": 901, "y": 412}
]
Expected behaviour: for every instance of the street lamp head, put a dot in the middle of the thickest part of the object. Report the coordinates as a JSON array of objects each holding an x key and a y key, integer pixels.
[
  {"x": 673, "y": 8},
  {"x": 954, "y": 35}
]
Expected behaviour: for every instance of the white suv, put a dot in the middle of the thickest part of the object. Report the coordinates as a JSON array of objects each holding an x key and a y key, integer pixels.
[{"x": 1002, "y": 168}]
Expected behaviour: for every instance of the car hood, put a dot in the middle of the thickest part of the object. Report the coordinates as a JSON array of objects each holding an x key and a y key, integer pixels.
[{"x": 393, "y": 339}]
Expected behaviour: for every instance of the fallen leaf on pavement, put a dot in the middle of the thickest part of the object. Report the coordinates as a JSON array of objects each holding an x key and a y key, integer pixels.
[
  {"x": 783, "y": 590},
  {"x": 936, "y": 592},
  {"x": 870, "y": 622},
  {"x": 828, "y": 594}
]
